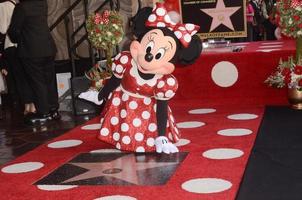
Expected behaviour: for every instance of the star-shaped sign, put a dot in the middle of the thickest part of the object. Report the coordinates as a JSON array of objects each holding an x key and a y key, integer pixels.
[
  {"x": 221, "y": 15},
  {"x": 124, "y": 168}
]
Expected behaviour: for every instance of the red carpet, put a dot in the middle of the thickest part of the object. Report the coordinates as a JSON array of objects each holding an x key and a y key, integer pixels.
[
  {"x": 218, "y": 127},
  {"x": 212, "y": 169}
]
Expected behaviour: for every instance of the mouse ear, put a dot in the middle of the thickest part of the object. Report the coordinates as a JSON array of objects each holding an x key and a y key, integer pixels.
[
  {"x": 138, "y": 21},
  {"x": 192, "y": 52}
]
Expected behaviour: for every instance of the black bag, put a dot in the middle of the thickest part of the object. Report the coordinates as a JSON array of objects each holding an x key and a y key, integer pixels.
[{"x": 82, "y": 107}]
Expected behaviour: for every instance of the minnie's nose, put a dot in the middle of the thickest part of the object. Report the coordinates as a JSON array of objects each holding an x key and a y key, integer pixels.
[{"x": 148, "y": 57}]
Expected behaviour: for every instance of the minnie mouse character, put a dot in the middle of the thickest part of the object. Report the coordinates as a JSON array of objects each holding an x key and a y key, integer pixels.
[{"x": 136, "y": 116}]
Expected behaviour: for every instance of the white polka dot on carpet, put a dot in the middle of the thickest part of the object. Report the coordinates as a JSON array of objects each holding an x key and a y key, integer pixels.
[
  {"x": 190, "y": 124},
  {"x": 182, "y": 142},
  {"x": 64, "y": 144},
  {"x": 242, "y": 116},
  {"x": 202, "y": 111},
  {"x": 91, "y": 127},
  {"x": 105, "y": 151},
  {"x": 206, "y": 185},
  {"x": 234, "y": 132},
  {"x": 22, "y": 167},
  {"x": 56, "y": 187},
  {"x": 116, "y": 197},
  {"x": 222, "y": 153}
]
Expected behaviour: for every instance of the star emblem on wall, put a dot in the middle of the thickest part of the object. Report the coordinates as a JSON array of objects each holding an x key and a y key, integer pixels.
[{"x": 221, "y": 15}]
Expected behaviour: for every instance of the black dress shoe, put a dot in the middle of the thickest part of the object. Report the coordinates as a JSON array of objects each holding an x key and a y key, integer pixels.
[
  {"x": 36, "y": 118},
  {"x": 55, "y": 115}
]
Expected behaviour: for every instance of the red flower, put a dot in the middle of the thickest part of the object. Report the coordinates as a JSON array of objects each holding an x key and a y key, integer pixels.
[
  {"x": 296, "y": 3},
  {"x": 97, "y": 30},
  {"x": 286, "y": 73},
  {"x": 287, "y": 79},
  {"x": 286, "y": 6},
  {"x": 97, "y": 18},
  {"x": 296, "y": 17},
  {"x": 106, "y": 14},
  {"x": 300, "y": 25},
  {"x": 300, "y": 82},
  {"x": 298, "y": 70},
  {"x": 106, "y": 21}
]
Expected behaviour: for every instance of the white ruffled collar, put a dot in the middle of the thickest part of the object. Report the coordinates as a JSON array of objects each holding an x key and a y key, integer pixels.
[{"x": 140, "y": 81}]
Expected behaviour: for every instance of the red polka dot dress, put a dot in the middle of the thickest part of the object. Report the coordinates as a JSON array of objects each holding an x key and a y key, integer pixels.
[{"x": 129, "y": 117}]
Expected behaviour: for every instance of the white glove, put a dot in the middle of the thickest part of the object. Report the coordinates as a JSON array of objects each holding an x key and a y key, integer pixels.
[
  {"x": 92, "y": 96},
  {"x": 162, "y": 144}
]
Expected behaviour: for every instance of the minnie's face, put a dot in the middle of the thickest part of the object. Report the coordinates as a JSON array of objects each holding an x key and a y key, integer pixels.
[{"x": 154, "y": 52}]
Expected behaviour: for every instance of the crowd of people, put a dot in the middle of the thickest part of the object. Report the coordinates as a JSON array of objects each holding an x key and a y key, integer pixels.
[
  {"x": 28, "y": 57},
  {"x": 261, "y": 22}
]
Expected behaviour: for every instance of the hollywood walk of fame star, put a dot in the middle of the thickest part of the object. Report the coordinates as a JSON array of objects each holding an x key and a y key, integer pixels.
[
  {"x": 124, "y": 168},
  {"x": 221, "y": 15}
]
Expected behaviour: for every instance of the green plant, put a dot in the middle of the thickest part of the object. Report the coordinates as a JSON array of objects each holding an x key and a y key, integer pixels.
[
  {"x": 290, "y": 17},
  {"x": 105, "y": 31}
]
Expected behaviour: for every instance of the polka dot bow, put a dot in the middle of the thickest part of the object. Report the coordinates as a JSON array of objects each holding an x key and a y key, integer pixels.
[
  {"x": 160, "y": 18},
  {"x": 296, "y": 3}
]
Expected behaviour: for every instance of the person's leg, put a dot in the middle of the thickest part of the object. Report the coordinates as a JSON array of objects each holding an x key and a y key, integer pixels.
[
  {"x": 270, "y": 31},
  {"x": 249, "y": 32},
  {"x": 13, "y": 97},
  {"x": 29, "y": 108},
  {"x": 36, "y": 74},
  {"x": 20, "y": 77},
  {"x": 32, "y": 108},
  {"x": 50, "y": 75}
]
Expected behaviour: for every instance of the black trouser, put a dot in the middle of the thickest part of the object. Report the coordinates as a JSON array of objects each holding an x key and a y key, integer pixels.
[
  {"x": 43, "y": 81},
  {"x": 18, "y": 76},
  {"x": 249, "y": 32},
  {"x": 269, "y": 29}
]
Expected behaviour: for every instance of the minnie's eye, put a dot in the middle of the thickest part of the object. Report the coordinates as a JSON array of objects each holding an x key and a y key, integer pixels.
[
  {"x": 149, "y": 46},
  {"x": 161, "y": 53}
]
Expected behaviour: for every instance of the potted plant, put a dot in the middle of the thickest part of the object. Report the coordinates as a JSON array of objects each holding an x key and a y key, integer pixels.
[
  {"x": 289, "y": 73},
  {"x": 105, "y": 31},
  {"x": 289, "y": 15}
]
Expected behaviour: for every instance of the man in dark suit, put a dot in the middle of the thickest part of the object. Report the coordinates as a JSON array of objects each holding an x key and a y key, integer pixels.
[
  {"x": 36, "y": 49},
  {"x": 269, "y": 11},
  {"x": 258, "y": 19}
]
